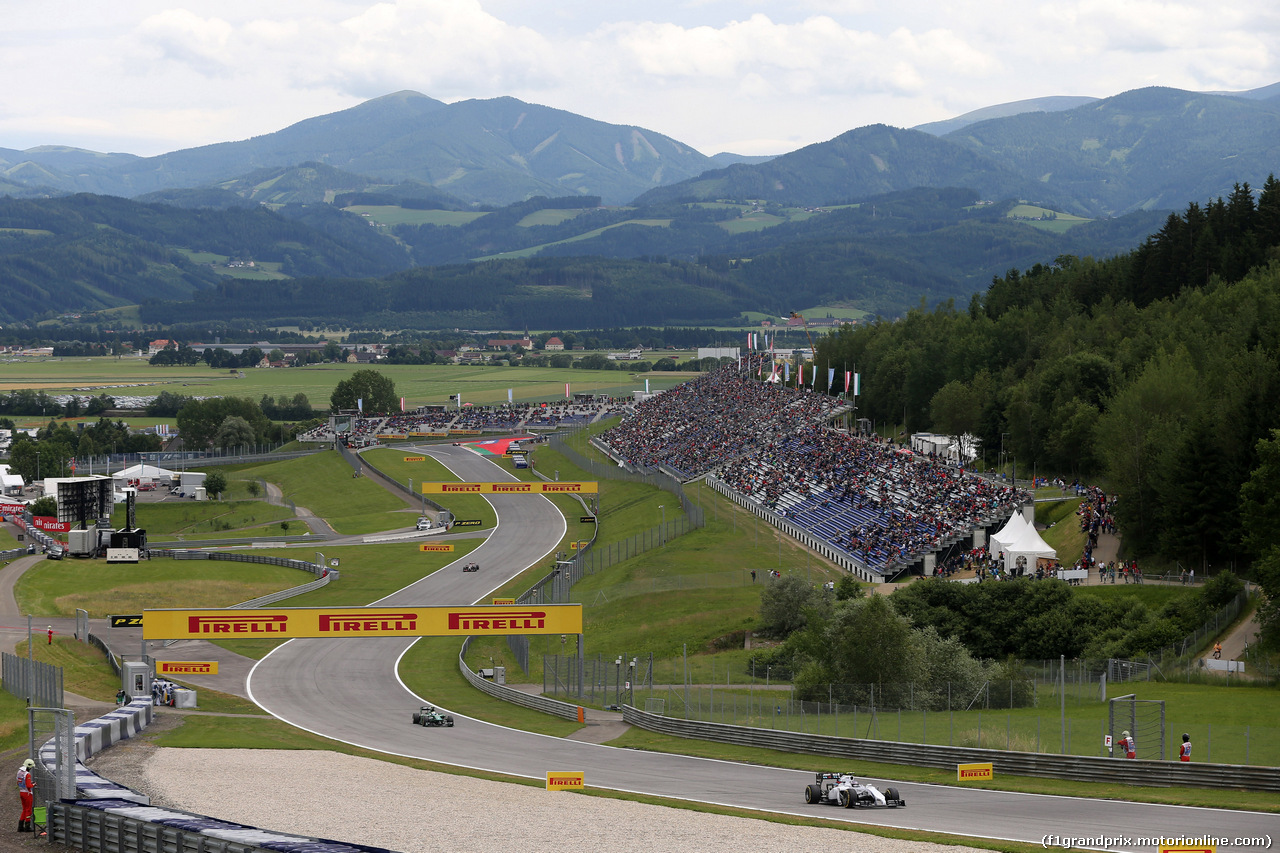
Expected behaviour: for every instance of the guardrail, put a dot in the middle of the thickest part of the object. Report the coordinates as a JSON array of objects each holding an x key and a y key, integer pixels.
[
  {"x": 96, "y": 641},
  {"x": 180, "y": 544},
  {"x": 1075, "y": 767},
  {"x": 193, "y": 554},
  {"x": 554, "y": 707}
]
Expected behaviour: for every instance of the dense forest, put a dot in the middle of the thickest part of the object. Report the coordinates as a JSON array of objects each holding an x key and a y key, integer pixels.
[{"x": 1157, "y": 372}]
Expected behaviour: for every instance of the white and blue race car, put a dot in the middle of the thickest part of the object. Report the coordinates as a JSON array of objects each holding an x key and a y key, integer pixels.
[{"x": 844, "y": 789}]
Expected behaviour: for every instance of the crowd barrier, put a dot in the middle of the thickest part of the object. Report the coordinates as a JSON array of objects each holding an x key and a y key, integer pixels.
[{"x": 1075, "y": 767}]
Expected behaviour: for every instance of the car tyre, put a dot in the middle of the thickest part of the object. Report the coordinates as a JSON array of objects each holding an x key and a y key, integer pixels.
[
  {"x": 812, "y": 794},
  {"x": 846, "y": 800},
  {"x": 448, "y": 721},
  {"x": 417, "y": 717}
]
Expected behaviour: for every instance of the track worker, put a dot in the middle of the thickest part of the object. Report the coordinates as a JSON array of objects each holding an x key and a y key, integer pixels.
[
  {"x": 26, "y": 793},
  {"x": 1184, "y": 751},
  {"x": 1128, "y": 745}
]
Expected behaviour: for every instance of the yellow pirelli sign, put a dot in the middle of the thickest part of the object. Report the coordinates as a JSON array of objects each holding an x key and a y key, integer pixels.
[
  {"x": 974, "y": 772},
  {"x": 286, "y": 623},
  {"x": 186, "y": 667},
  {"x": 435, "y": 546},
  {"x": 1167, "y": 846},
  {"x": 504, "y": 601},
  {"x": 566, "y": 780},
  {"x": 415, "y": 459},
  {"x": 511, "y": 488}
]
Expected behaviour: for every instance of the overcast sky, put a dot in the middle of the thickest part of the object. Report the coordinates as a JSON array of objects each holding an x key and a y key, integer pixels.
[{"x": 749, "y": 76}]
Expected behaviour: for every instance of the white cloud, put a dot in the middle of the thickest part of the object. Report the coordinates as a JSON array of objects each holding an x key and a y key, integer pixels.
[{"x": 749, "y": 75}]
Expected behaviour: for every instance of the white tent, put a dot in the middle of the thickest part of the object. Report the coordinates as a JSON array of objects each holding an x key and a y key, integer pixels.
[
  {"x": 143, "y": 471},
  {"x": 1029, "y": 545},
  {"x": 999, "y": 541}
]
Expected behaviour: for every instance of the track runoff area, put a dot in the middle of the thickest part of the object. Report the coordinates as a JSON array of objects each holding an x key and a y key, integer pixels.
[{"x": 1080, "y": 823}]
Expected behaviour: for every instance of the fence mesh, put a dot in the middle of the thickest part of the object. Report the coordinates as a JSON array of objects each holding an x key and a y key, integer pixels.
[{"x": 39, "y": 683}]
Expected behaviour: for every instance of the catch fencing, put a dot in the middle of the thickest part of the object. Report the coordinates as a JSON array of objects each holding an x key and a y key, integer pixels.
[
  {"x": 38, "y": 682},
  {"x": 591, "y": 557},
  {"x": 1057, "y": 708},
  {"x": 110, "y": 463},
  {"x": 1014, "y": 763}
]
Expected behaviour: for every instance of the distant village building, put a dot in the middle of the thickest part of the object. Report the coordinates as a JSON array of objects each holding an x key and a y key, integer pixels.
[
  {"x": 554, "y": 344},
  {"x": 158, "y": 346},
  {"x": 510, "y": 343}
]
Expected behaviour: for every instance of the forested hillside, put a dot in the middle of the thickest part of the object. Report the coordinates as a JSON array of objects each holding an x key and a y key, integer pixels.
[
  {"x": 553, "y": 293},
  {"x": 1157, "y": 371},
  {"x": 617, "y": 266},
  {"x": 87, "y": 252}
]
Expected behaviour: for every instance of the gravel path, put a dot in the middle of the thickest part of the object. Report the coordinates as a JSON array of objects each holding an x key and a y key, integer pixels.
[{"x": 345, "y": 798}]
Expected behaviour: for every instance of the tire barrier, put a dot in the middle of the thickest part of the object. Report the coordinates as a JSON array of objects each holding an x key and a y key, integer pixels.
[
  {"x": 121, "y": 826},
  {"x": 1160, "y": 774},
  {"x": 93, "y": 737},
  {"x": 109, "y": 818}
]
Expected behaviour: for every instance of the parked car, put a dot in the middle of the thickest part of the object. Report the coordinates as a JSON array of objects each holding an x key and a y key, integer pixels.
[{"x": 424, "y": 523}]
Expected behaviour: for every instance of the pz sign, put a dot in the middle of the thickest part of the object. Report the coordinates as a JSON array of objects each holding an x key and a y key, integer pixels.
[{"x": 132, "y": 621}]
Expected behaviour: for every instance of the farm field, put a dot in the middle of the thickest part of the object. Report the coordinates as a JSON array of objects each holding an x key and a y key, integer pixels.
[{"x": 418, "y": 384}]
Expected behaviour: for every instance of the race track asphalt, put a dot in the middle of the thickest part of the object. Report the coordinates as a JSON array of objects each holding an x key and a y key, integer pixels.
[{"x": 349, "y": 690}]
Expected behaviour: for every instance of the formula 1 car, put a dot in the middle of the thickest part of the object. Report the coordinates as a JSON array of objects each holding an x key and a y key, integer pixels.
[
  {"x": 844, "y": 789},
  {"x": 429, "y": 716},
  {"x": 471, "y": 567}
]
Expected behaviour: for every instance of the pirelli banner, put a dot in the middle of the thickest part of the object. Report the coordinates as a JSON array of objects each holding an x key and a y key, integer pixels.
[
  {"x": 186, "y": 667},
  {"x": 510, "y": 487},
  {"x": 287, "y": 623}
]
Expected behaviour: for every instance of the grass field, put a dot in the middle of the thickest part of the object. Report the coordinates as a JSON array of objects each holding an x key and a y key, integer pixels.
[
  {"x": 1059, "y": 222},
  {"x": 391, "y": 462},
  {"x": 586, "y": 235},
  {"x": 58, "y": 587},
  {"x": 419, "y": 384},
  {"x": 323, "y": 484},
  {"x": 183, "y": 519},
  {"x": 394, "y": 215}
]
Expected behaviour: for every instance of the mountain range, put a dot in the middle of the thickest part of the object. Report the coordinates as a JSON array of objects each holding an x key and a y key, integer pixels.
[
  {"x": 587, "y": 223},
  {"x": 1144, "y": 149}
]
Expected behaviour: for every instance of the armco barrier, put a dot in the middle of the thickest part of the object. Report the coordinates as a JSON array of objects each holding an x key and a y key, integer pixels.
[
  {"x": 1075, "y": 767},
  {"x": 510, "y": 694}
]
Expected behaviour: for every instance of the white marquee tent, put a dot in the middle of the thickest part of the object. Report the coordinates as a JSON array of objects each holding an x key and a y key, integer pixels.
[
  {"x": 1009, "y": 533},
  {"x": 1028, "y": 544}
]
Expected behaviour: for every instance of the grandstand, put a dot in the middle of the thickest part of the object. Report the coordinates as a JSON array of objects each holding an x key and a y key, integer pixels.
[{"x": 883, "y": 506}]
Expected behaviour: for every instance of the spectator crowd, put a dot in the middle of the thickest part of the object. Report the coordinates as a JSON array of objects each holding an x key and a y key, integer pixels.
[{"x": 718, "y": 416}]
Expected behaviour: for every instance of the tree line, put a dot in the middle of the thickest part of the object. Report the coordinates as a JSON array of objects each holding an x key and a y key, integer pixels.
[{"x": 1088, "y": 369}]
